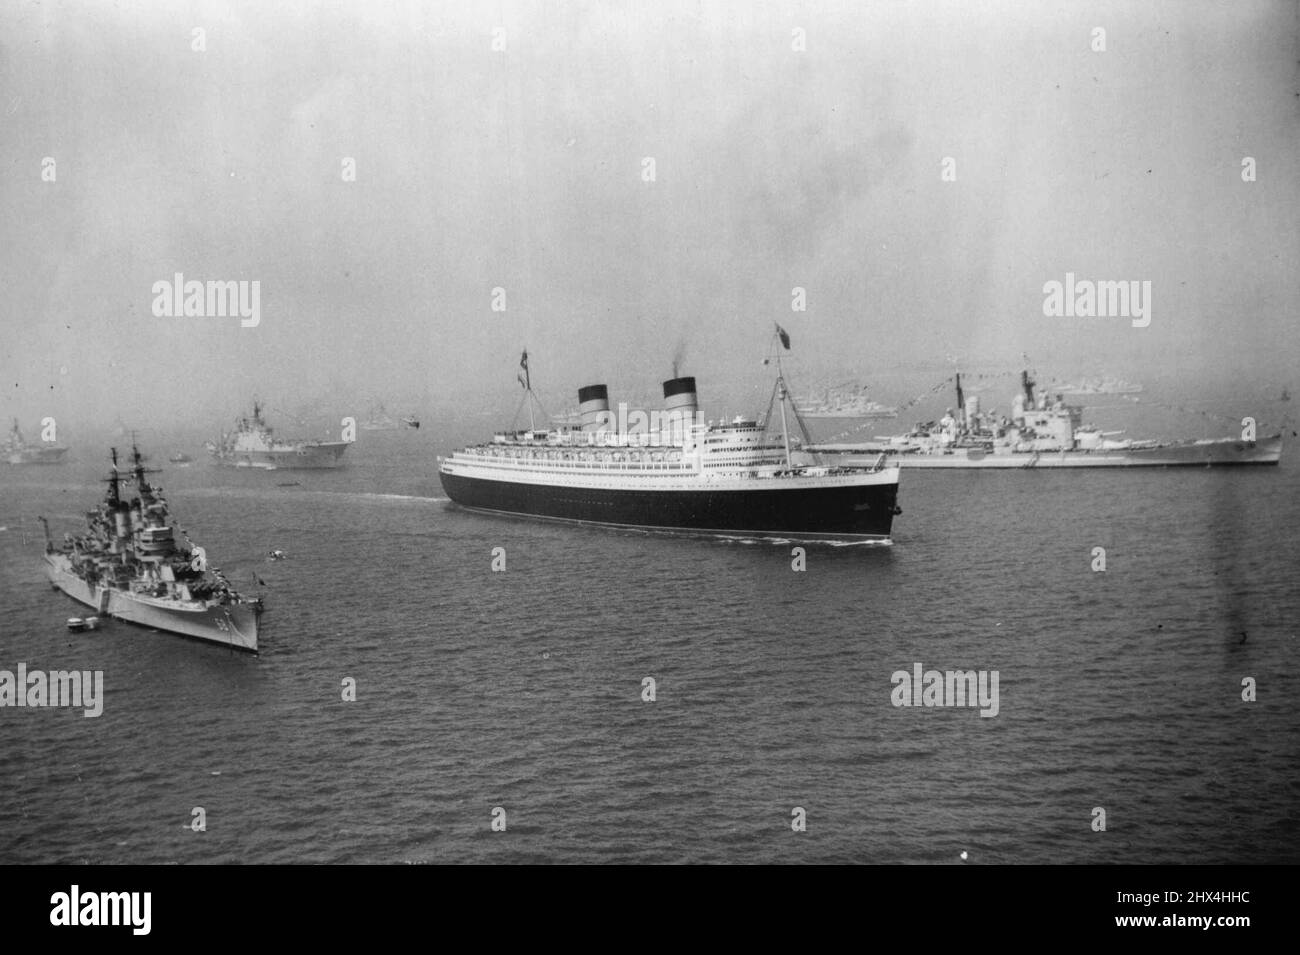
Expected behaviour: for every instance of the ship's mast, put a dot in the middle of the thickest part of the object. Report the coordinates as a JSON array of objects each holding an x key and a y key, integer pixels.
[
  {"x": 114, "y": 497},
  {"x": 138, "y": 468},
  {"x": 781, "y": 340},
  {"x": 961, "y": 404},
  {"x": 528, "y": 387},
  {"x": 526, "y": 382},
  {"x": 781, "y": 395}
]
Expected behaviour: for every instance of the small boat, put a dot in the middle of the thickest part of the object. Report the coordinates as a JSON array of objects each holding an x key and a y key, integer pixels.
[
  {"x": 277, "y": 555},
  {"x": 411, "y": 421},
  {"x": 288, "y": 484},
  {"x": 83, "y": 623},
  {"x": 180, "y": 458}
]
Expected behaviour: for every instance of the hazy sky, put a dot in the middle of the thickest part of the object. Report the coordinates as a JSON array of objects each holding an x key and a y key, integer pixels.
[{"x": 523, "y": 169}]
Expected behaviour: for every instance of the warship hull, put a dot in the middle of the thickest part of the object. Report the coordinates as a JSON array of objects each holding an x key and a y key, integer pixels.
[
  {"x": 230, "y": 625},
  {"x": 1219, "y": 453},
  {"x": 325, "y": 454},
  {"x": 860, "y": 508},
  {"x": 37, "y": 456}
]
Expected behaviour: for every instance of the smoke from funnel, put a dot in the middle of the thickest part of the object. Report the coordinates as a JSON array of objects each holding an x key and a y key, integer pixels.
[{"x": 679, "y": 355}]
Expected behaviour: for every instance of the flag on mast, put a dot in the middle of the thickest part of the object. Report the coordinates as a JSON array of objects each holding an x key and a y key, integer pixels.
[
  {"x": 784, "y": 336},
  {"x": 526, "y": 381}
]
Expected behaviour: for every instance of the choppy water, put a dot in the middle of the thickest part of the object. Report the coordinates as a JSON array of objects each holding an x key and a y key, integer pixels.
[{"x": 522, "y": 689}]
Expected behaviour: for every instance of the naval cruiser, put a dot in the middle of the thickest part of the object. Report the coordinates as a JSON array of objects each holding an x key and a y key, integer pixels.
[
  {"x": 129, "y": 565},
  {"x": 679, "y": 474},
  {"x": 253, "y": 445},
  {"x": 1041, "y": 432}
]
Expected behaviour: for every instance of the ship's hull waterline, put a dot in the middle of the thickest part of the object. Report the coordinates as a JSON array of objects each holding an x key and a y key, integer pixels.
[
  {"x": 231, "y": 625},
  {"x": 861, "y": 510},
  {"x": 1224, "y": 453}
]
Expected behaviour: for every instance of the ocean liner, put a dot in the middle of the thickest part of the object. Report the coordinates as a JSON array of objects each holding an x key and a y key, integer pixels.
[
  {"x": 129, "y": 565},
  {"x": 17, "y": 450},
  {"x": 253, "y": 445},
  {"x": 679, "y": 474},
  {"x": 1040, "y": 433}
]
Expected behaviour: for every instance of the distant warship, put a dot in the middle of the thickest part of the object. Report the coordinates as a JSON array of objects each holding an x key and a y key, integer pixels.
[
  {"x": 1099, "y": 386},
  {"x": 129, "y": 565},
  {"x": 253, "y": 445},
  {"x": 16, "y": 450},
  {"x": 1040, "y": 433},
  {"x": 844, "y": 403},
  {"x": 379, "y": 419}
]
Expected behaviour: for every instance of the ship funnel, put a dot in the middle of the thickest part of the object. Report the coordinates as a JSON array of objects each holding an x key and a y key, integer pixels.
[
  {"x": 679, "y": 395},
  {"x": 593, "y": 406},
  {"x": 681, "y": 405}
]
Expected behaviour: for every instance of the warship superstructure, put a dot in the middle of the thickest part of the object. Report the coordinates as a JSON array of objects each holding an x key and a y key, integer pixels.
[
  {"x": 17, "y": 450},
  {"x": 1041, "y": 432},
  {"x": 253, "y": 444},
  {"x": 844, "y": 403},
  {"x": 379, "y": 419},
  {"x": 129, "y": 565},
  {"x": 679, "y": 474}
]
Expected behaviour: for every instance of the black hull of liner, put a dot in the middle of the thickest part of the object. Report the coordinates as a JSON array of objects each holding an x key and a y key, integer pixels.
[{"x": 861, "y": 512}]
